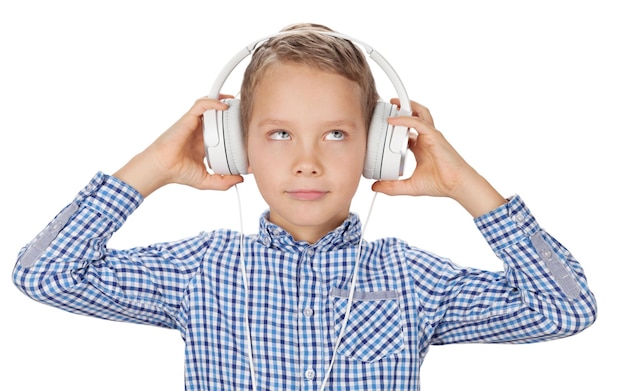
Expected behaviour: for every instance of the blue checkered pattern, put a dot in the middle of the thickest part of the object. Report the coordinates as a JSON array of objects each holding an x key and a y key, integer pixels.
[{"x": 406, "y": 298}]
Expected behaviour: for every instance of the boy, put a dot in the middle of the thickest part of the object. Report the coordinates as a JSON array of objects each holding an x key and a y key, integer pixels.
[{"x": 306, "y": 102}]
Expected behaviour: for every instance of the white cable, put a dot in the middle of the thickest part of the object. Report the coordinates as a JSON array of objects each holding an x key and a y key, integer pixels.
[
  {"x": 353, "y": 284},
  {"x": 242, "y": 265},
  {"x": 350, "y": 296}
]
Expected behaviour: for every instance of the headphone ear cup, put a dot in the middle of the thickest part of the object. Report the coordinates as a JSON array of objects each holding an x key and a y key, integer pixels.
[
  {"x": 386, "y": 145},
  {"x": 234, "y": 145},
  {"x": 376, "y": 137}
]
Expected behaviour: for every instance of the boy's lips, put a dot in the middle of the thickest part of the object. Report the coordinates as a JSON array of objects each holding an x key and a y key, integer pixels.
[{"x": 306, "y": 194}]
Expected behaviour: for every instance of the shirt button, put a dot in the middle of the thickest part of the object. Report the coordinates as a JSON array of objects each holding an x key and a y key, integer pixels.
[
  {"x": 546, "y": 254},
  {"x": 308, "y": 312},
  {"x": 310, "y": 374},
  {"x": 310, "y": 252},
  {"x": 519, "y": 217}
]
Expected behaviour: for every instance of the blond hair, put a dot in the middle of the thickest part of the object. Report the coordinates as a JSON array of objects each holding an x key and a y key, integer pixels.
[{"x": 306, "y": 44}]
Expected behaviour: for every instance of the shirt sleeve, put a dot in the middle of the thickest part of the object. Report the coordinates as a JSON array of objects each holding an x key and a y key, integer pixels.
[
  {"x": 69, "y": 266},
  {"x": 541, "y": 294}
]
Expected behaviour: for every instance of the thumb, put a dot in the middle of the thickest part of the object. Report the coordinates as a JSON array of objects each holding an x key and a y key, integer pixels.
[
  {"x": 219, "y": 182},
  {"x": 399, "y": 187}
]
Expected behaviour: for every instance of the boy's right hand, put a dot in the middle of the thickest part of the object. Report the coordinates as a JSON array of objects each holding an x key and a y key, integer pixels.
[{"x": 177, "y": 156}]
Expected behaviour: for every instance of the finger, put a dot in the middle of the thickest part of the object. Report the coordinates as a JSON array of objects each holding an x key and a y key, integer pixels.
[
  {"x": 399, "y": 187},
  {"x": 422, "y": 112},
  {"x": 418, "y": 110},
  {"x": 419, "y": 125},
  {"x": 220, "y": 182},
  {"x": 203, "y": 104}
]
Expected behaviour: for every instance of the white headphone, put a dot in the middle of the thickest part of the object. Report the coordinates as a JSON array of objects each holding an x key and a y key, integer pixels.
[{"x": 386, "y": 144}]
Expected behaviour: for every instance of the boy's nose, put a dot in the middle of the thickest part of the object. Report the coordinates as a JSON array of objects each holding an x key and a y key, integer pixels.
[{"x": 307, "y": 162}]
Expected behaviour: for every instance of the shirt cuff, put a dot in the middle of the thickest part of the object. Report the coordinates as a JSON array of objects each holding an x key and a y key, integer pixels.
[
  {"x": 507, "y": 224},
  {"x": 110, "y": 197}
]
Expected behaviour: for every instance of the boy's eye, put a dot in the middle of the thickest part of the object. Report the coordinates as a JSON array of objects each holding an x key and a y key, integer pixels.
[
  {"x": 279, "y": 135},
  {"x": 336, "y": 135}
]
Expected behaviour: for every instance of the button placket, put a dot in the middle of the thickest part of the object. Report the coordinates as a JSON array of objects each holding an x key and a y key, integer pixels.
[{"x": 308, "y": 326}]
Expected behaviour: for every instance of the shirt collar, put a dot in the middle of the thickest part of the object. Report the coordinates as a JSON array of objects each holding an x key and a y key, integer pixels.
[{"x": 346, "y": 235}]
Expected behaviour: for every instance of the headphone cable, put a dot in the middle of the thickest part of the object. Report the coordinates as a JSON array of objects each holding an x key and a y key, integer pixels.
[
  {"x": 242, "y": 265},
  {"x": 350, "y": 296}
]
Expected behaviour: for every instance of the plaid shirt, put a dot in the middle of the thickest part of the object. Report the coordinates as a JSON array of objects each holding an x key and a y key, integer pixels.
[{"x": 406, "y": 298}]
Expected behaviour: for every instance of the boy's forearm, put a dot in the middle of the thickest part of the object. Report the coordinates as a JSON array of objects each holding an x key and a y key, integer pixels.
[
  {"x": 477, "y": 196},
  {"x": 138, "y": 173}
]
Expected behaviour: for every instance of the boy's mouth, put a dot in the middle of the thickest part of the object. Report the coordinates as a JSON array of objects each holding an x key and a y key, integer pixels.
[{"x": 306, "y": 194}]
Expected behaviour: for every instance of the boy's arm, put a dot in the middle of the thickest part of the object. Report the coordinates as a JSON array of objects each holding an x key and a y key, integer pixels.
[
  {"x": 177, "y": 156},
  {"x": 541, "y": 294},
  {"x": 68, "y": 264}
]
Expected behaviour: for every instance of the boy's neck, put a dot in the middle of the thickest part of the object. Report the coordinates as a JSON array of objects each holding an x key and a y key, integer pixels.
[{"x": 306, "y": 233}]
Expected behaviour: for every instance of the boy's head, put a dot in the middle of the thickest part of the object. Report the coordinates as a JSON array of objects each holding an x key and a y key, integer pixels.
[
  {"x": 301, "y": 44},
  {"x": 306, "y": 104}
]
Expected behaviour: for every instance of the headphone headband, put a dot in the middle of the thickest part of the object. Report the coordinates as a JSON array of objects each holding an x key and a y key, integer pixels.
[
  {"x": 405, "y": 104},
  {"x": 386, "y": 144}
]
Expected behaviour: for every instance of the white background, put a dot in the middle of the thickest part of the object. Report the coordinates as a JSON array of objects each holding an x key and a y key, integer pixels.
[{"x": 530, "y": 92}]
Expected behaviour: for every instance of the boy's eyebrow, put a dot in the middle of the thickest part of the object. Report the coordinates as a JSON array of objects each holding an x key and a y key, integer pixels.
[
  {"x": 332, "y": 123},
  {"x": 271, "y": 121}
]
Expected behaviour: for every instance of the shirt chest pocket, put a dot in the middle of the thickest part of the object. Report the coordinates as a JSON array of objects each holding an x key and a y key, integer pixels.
[{"x": 374, "y": 330}]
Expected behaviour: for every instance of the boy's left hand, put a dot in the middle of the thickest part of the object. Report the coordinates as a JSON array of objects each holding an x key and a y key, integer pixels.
[{"x": 440, "y": 170}]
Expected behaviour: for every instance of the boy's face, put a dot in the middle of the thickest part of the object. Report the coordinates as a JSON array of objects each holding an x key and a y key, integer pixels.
[{"x": 306, "y": 147}]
